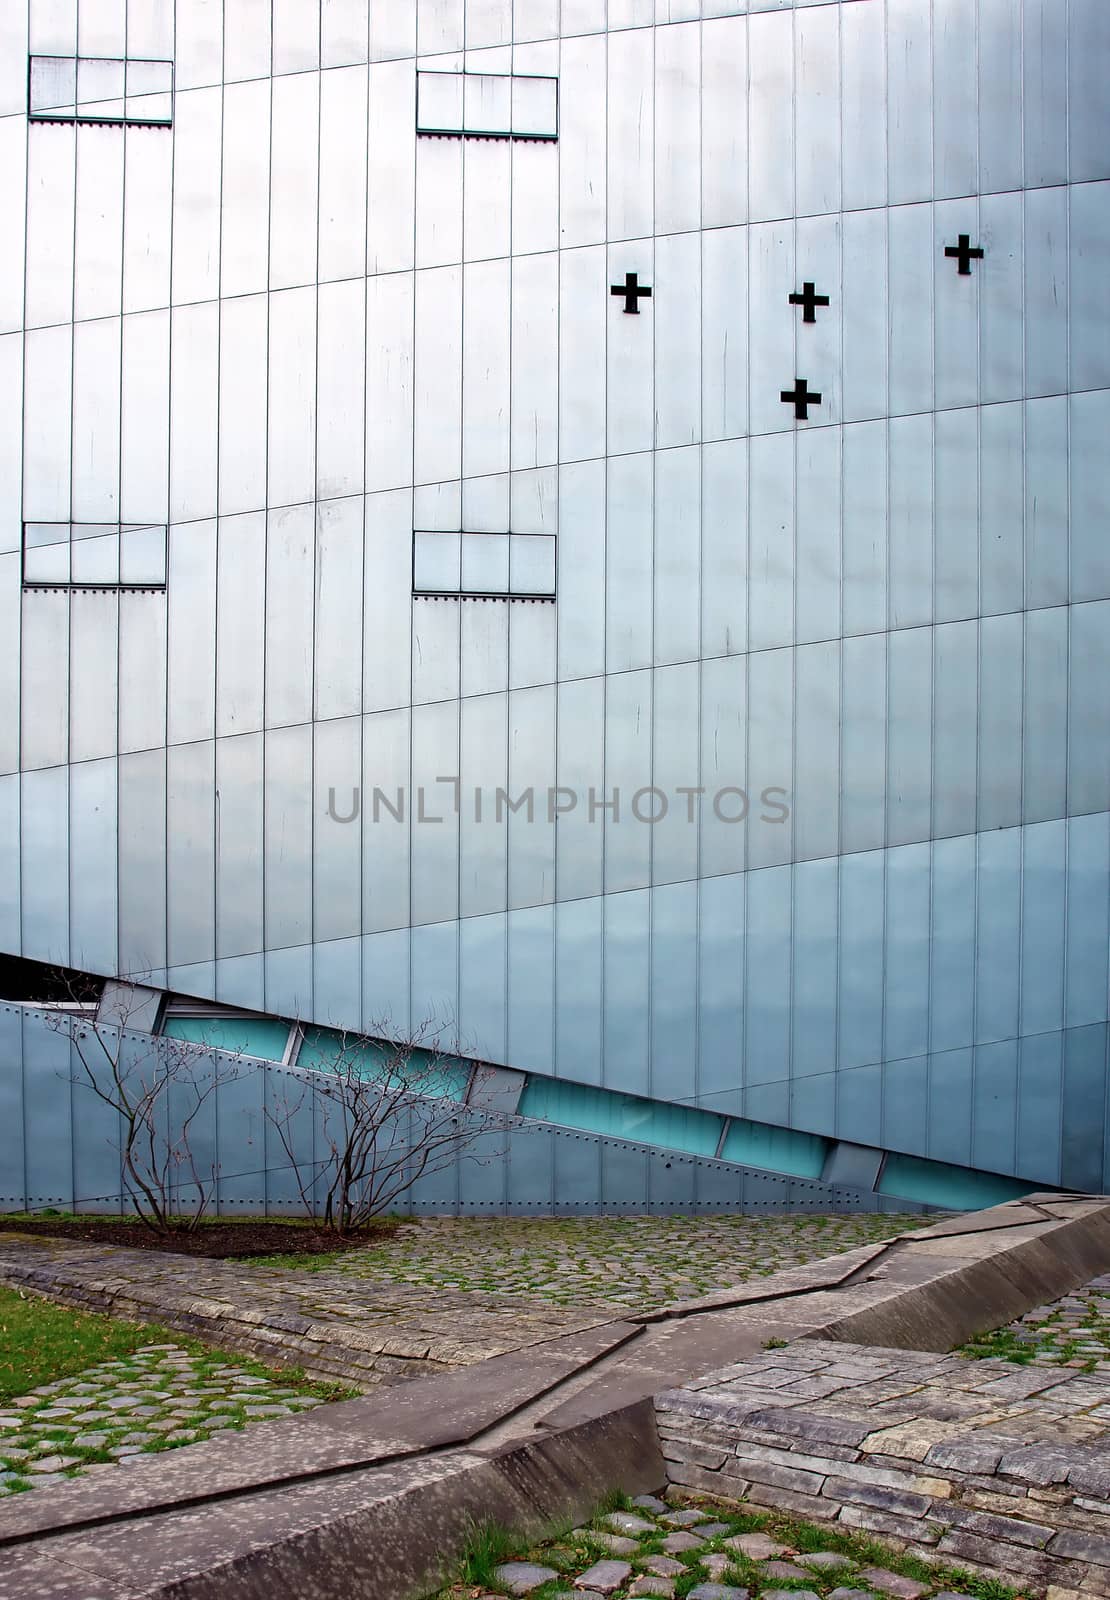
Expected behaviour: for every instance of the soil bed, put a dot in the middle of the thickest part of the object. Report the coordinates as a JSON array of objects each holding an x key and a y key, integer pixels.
[{"x": 221, "y": 1241}]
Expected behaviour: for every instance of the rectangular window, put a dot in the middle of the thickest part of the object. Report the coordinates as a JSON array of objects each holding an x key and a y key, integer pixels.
[
  {"x": 935, "y": 1183},
  {"x": 423, "y": 1072},
  {"x": 263, "y": 1037},
  {"x": 622, "y": 1116},
  {"x": 483, "y": 566},
  {"x": 94, "y": 555},
  {"x": 487, "y": 105},
  {"x": 98, "y": 89}
]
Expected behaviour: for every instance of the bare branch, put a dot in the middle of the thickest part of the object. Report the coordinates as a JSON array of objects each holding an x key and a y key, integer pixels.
[
  {"x": 141, "y": 1075},
  {"x": 387, "y": 1114}
]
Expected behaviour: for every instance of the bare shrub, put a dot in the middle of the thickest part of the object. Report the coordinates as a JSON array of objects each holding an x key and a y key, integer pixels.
[
  {"x": 158, "y": 1086},
  {"x": 388, "y": 1113}
]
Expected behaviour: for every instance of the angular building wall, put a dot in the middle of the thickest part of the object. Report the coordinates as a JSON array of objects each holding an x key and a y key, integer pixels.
[
  {"x": 58, "y": 1149},
  {"x": 398, "y": 627}
]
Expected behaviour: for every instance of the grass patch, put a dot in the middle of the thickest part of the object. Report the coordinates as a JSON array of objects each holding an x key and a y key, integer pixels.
[
  {"x": 808, "y": 1537},
  {"x": 41, "y": 1342},
  {"x": 84, "y": 1357},
  {"x": 1022, "y": 1345},
  {"x": 1003, "y": 1344},
  {"x": 489, "y": 1546}
]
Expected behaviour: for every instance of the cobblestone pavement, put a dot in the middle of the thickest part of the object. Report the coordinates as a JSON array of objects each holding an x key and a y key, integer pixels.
[
  {"x": 1071, "y": 1332},
  {"x": 159, "y": 1397},
  {"x": 437, "y": 1294},
  {"x": 641, "y": 1262},
  {"x": 709, "y": 1550}
]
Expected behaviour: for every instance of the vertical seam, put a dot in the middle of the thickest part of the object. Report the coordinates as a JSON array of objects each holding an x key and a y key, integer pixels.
[
  {"x": 745, "y": 921},
  {"x": 793, "y": 654},
  {"x": 888, "y": 435},
  {"x": 216, "y": 564},
  {"x": 459, "y": 605},
  {"x": 320, "y": 544},
  {"x": 840, "y": 612},
  {"x": 166, "y": 513},
  {"x": 1070, "y": 609},
  {"x": 411, "y": 709},
  {"x": 652, "y": 654},
  {"x": 695, "y": 1042},
  {"x": 509, "y": 625},
  {"x": 362, "y": 718}
]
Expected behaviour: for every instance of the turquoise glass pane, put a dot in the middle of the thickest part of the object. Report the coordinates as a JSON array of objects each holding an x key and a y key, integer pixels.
[
  {"x": 758, "y": 1144},
  {"x": 934, "y": 1183},
  {"x": 264, "y": 1037},
  {"x": 621, "y": 1116},
  {"x": 438, "y": 1078}
]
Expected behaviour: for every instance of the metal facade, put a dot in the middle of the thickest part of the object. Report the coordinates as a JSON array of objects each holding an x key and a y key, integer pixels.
[
  {"x": 272, "y": 359},
  {"x": 58, "y": 1148}
]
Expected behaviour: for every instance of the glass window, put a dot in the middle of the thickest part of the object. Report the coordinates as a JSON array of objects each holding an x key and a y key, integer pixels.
[
  {"x": 100, "y": 90},
  {"x": 622, "y": 1116},
  {"x": 438, "y": 1077},
  {"x": 440, "y": 102},
  {"x": 53, "y": 84},
  {"x": 101, "y": 554},
  {"x": 758, "y": 1144},
  {"x": 92, "y": 89},
  {"x": 935, "y": 1183},
  {"x": 95, "y": 560},
  {"x": 531, "y": 564},
  {"x": 487, "y": 105},
  {"x": 485, "y": 563},
  {"x": 436, "y": 563},
  {"x": 262, "y": 1037},
  {"x": 535, "y": 107}
]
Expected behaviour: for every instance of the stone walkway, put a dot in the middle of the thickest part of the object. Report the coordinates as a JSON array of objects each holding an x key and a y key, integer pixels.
[
  {"x": 639, "y": 1262},
  {"x": 997, "y": 1467},
  {"x": 1072, "y": 1332},
  {"x": 659, "y": 1544},
  {"x": 985, "y": 1464},
  {"x": 437, "y": 1294},
  {"x": 157, "y": 1398}
]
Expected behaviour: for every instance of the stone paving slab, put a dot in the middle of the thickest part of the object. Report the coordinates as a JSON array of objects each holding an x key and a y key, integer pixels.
[
  {"x": 438, "y": 1294},
  {"x": 333, "y": 1326},
  {"x": 1001, "y": 1468}
]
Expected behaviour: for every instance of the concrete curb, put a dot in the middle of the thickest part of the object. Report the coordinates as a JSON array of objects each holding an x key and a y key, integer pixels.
[
  {"x": 990, "y": 1282},
  {"x": 334, "y": 1441},
  {"x": 395, "y": 1532}
]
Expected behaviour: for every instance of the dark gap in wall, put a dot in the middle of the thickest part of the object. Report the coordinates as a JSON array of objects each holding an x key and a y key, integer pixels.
[{"x": 41, "y": 983}]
